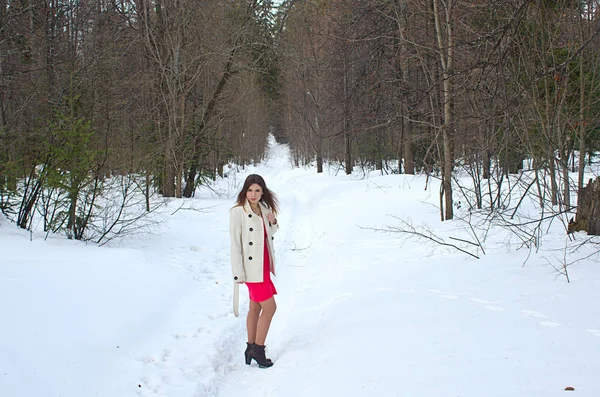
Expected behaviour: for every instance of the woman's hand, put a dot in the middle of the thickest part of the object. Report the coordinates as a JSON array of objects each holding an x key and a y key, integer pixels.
[{"x": 272, "y": 218}]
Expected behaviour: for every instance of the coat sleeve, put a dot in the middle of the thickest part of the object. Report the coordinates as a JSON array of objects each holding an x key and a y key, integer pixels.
[{"x": 235, "y": 236}]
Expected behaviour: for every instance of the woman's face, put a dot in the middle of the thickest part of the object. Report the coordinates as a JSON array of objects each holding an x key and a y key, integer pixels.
[{"x": 254, "y": 193}]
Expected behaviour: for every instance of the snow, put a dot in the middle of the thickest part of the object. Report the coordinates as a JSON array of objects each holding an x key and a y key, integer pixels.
[{"x": 361, "y": 312}]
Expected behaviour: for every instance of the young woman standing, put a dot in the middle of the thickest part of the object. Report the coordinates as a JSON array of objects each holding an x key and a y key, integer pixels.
[{"x": 252, "y": 223}]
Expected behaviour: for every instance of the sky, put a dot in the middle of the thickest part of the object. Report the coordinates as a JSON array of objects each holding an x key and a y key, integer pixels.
[{"x": 361, "y": 311}]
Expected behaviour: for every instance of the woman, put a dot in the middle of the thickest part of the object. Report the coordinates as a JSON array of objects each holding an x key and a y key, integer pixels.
[{"x": 252, "y": 223}]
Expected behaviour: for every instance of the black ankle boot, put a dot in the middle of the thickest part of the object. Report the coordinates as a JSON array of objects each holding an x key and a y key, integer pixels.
[
  {"x": 257, "y": 353},
  {"x": 247, "y": 356}
]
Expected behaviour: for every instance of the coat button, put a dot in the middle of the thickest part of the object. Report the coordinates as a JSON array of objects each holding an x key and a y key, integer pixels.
[
  {"x": 250, "y": 243},
  {"x": 249, "y": 215},
  {"x": 235, "y": 278},
  {"x": 250, "y": 258},
  {"x": 272, "y": 238},
  {"x": 251, "y": 229}
]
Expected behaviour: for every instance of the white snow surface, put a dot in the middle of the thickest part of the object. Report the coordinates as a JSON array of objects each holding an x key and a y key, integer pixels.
[{"x": 360, "y": 312}]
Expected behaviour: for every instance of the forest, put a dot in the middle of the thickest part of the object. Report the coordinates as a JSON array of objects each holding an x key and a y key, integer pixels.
[{"x": 106, "y": 105}]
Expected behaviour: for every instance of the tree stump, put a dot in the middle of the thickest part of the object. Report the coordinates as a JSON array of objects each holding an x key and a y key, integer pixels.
[{"x": 588, "y": 209}]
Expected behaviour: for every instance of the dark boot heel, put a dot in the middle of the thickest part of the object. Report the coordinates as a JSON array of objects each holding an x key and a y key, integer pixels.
[
  {"x": 257, "y": 353},
  {"x": 247, "y": 356}
]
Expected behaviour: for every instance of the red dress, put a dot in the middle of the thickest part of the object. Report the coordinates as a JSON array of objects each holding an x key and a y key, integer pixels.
[{"x": 260, "y": 292}]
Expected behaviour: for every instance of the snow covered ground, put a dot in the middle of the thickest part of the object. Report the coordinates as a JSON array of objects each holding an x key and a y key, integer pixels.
[{"x": 360, "y": 312}]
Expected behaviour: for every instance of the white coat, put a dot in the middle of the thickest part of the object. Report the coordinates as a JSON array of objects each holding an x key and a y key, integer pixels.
[{"x": 247, "y": 243}]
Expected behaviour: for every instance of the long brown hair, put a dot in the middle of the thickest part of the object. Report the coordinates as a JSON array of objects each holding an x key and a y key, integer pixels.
[{"x": 268, "y": 197}]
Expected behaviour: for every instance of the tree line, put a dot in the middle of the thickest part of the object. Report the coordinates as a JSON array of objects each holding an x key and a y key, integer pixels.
[
  {"x": 153, "y": 97},
  {"x": 157, "y": 95},
  {"x": 492, "y": 88}
]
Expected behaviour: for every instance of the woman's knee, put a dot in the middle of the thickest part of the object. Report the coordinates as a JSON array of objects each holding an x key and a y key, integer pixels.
[{"x": 269, "y": 307}]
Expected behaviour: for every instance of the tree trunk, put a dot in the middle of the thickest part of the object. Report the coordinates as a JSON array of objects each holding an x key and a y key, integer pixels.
[
  {"x": 409, "y": 154},
  {"x": 582, "y": 134},
  {"x": 147, "y": 191},
  {"x": 406, "y": 140},
  {"x": 347, "y": 135},
  {"x": 447, "y": 176},
  {"x": 178, "y": 181},
  {"x": 446, "y": 54},
  {"x": 169, "y": 180},
  {"x": 348, "y": 159},
  {"x": 72, "y": 222},
  {"x": 566, "y": 185},
  {"x": 319, "y": 148},
  {"x": 2, "y": 121},
  {"x": 487, "y": 164},
  {"x": 28, "y": 203},
  {"x": 553, "y": 183},
  {"x": 588, "y": 210},
  {"x": 50, "y": 44}
]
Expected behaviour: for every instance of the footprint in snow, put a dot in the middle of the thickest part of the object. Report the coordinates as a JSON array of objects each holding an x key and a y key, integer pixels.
[
  {"x": 151, "y": 384},
  {"x": 147, "y": 359},
  {"x": 199, "y": 331},
  {"x": 166, "y": 355},
  {"x": 595, "y": 332},
  {"x": 217, "y": 316}
]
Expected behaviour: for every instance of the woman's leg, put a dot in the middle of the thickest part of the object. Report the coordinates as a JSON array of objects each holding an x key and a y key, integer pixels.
[
  {"x": 252, "y": 320},
  {"x": 264, "y": 320}
]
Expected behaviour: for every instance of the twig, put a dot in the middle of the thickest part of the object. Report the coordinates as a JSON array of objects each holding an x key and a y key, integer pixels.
[
  {"x": 309, "y": 245},
  {"x": 464, "y": 241}
]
